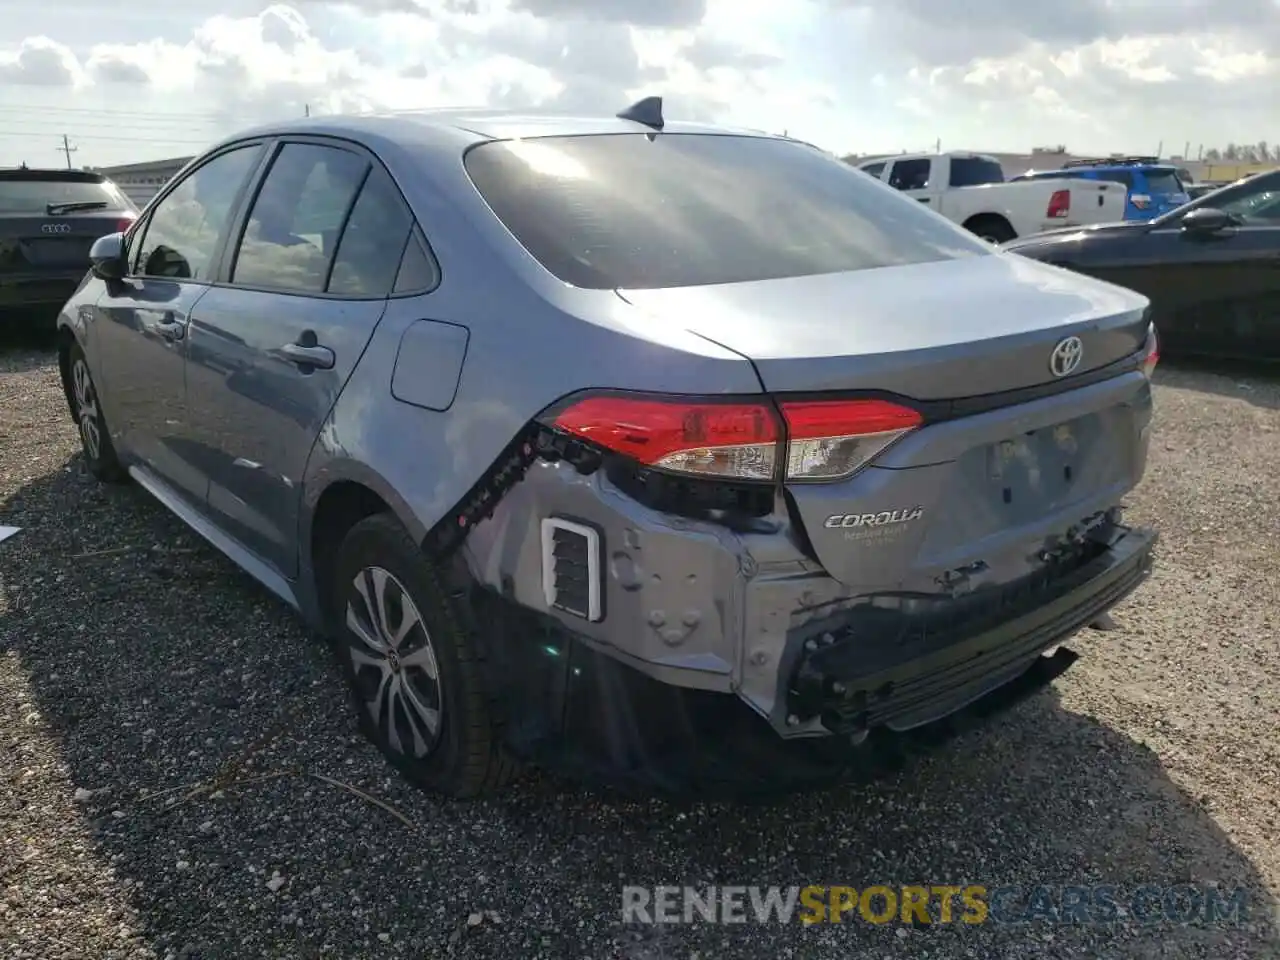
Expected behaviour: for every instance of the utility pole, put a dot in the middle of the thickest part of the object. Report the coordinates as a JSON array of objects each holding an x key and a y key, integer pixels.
[
  {"x": 67, "y": 149},
  {"x": 937, "y": 145},
  {"x": 306, "y": 109}
]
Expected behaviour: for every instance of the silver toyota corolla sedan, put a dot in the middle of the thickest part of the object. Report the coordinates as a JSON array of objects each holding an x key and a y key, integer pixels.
[{"x": 665, "y": 452}]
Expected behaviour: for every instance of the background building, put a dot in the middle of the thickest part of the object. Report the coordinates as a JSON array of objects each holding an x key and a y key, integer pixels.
[{"x": 142, "y": 181}]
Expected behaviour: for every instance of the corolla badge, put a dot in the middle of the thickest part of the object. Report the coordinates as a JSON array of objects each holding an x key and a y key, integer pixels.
[
  {"x": 1066, "y": 356},
  {"x": 884, "y": 518}
]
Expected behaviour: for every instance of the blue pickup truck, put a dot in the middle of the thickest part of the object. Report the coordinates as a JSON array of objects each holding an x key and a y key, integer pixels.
[{"x": 1154, "y": 187}]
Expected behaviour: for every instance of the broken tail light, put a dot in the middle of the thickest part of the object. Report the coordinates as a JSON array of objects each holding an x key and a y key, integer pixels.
[
  {"x": 814, "y": 440},
  {"x": 1151, "y": 353}
]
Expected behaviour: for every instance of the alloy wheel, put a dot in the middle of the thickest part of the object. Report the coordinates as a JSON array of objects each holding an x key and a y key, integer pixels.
[
  {"x": 394, "y": 663},
  {"x": 87, "y": 409}
]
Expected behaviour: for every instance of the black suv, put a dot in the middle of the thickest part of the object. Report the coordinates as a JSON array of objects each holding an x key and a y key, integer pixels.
[{"x": 48, "y": 221}]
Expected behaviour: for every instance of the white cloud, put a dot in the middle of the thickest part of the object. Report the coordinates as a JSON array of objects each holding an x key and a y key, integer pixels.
[
  {"x": 40, "y": 62},
  {"x": 848, "y": 74}
]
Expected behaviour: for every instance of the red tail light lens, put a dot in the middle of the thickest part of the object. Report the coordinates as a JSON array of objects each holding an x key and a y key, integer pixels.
[
  {"x": 1152, "y": 355},
  {"x": 827, "y": 439},
  {"x": 833, "y": 439},
  {"x": 1059, "y": 204},
  {"x": 125, "y": 223},
  {"x": 708, "y": 438}
]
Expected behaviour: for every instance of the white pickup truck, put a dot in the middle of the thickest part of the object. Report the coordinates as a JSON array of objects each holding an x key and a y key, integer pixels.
[{"x": 970, "y": 189}]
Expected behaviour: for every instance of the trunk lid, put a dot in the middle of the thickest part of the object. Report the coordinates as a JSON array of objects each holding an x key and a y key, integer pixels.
[
  {"x": 981, "y": 495},
  {"x": 944, "y": 330},
  {"x": 53, "y": 243}
]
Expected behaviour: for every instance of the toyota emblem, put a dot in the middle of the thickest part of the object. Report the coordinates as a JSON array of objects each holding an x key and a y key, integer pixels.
[
  {"x": 56, "y": 228},
  {"x": 1066, "y": 357}
]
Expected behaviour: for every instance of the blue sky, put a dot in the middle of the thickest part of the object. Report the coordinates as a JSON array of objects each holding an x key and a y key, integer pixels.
[{"x": 153, "y": 79}]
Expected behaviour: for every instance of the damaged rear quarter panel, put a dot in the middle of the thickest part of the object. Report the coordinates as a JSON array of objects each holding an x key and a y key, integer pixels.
[
  {"x": 687, "y": 602},
  {"x": 523, "y": 353}
]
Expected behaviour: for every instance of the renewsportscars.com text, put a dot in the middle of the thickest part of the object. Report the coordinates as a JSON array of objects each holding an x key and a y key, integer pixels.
[{"x": 935, "y": 904}]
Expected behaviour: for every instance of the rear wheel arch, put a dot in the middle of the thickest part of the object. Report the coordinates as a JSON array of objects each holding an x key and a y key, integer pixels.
[
  {"x": 341, "y": 505},
  {"x": 991, "y": 226}
]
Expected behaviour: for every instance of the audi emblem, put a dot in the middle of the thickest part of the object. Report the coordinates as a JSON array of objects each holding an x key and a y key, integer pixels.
[
  {"x": 1066, "y": 356},
  {"x": 56, "y": 228}
]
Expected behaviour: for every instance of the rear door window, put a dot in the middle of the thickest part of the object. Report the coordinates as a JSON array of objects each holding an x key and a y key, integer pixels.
[
  {"x": 418, "y": 272},
  {"x": 874, "y": 170},
  {"x": 368, "y": 254},
  {"x": 643, "y": 212},
  {"x": 291, "y": 234}
]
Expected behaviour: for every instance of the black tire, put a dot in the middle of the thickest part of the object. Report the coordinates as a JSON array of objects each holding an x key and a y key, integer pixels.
[
  {"x": 466, "y": 757},
  {"x": 86, "y": 411},
  {"x": 991, "y": 228}
]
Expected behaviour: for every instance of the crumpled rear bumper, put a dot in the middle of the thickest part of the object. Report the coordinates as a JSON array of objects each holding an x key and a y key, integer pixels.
[
  {"x": 571, "y": 707},
  {"x": 853, "y": 681}
]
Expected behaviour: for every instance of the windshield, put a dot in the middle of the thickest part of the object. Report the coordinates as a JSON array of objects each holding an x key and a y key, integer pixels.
[
  {"x": 643, "y": 212},
  {"x": 33, "y": 194},
  {"x": 1254, "y": 199}
]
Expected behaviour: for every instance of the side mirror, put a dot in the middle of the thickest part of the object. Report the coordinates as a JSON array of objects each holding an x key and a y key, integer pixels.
[
  {"x": 106, "y": 257},
  {"x": 1206, "y": 220}
]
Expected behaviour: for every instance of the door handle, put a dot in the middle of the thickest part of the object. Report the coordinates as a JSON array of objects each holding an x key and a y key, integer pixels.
[
  {"x": 308, "y": 355},
  {"x": 171, "y": 329},
  {"x": 922, "y": 199}
]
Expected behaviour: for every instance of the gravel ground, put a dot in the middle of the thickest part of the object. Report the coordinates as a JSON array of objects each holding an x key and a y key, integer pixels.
[{"x": 135, "y": 663}]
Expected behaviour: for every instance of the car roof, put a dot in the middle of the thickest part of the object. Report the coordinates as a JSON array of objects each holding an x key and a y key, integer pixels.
[
  {"x": 1140, "y": 167},
  {"x": 410, "y": 128},
  {"x": 51, "y": 173}
]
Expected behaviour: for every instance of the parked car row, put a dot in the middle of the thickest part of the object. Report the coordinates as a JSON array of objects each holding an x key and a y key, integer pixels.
[
  {"x": 688, "y": 456},
  {"x": 1153, "y": 188},
  {"x": 1211, "y": 267},
  {"x": 971, "y": 190}
]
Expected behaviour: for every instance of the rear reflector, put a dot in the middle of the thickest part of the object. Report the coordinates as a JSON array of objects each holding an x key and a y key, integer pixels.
[
  {"x": 1059, "y": 204},
  {"x": 571, "y": 568},
  {"x": 826, "y": 439}
]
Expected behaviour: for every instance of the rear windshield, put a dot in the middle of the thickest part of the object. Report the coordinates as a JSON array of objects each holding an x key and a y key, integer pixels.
[
  {"x": 1160, "y": 182},
  {"x": 33, "y": 193},
  {"x": 675, "y": 210},
  {"x": 974, "y": 172}
]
